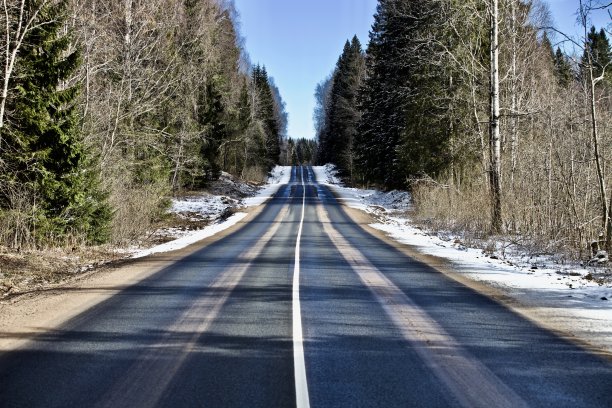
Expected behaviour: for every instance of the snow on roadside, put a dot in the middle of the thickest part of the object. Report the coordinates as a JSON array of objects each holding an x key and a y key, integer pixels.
[
  {"x": 280, "y": 175},
  {"x": 192, "y": 236},
  {"x": 216, "y": 208},
  {"x": 567, "y": 295},
  {"x": 365, "y": 200}
]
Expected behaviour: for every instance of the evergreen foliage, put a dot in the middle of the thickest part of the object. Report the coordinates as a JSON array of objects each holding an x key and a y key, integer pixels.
[
  {"x": 563, "y": 69},
  {"x": 407, "y": 121},
  {"x": 336, "y": 137},
  {"x": 383, "y": 95},
  {"x": 444, "y": 112},
  {"x": 265, "y": 112},
  {"x": 163, "y": 99},
  {"x": 42, "y": 147},
  {"x": 598, "y": 45},
  {"x": 212, "y": 118},
  {"x": 301, "y": 151}
]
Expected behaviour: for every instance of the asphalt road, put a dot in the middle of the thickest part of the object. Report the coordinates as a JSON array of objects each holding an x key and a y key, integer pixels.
[{"x": 363, "y": 325}]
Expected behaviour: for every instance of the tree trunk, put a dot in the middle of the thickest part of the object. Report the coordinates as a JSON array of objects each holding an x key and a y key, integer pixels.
[
  {"x": 607, "y": 230},
  {"x": 494, "y": 134},
  {"x": 513, "y": 109},
  {"x": 595, "y": 136}
]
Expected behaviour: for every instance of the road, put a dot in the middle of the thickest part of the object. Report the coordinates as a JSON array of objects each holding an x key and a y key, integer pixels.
[{"x": 301, "y": 307}]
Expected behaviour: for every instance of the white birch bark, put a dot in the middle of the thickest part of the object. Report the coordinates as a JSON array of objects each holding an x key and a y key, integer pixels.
[{"x": 494, "y": 133}]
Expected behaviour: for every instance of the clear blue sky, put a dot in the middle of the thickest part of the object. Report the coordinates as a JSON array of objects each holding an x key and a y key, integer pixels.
[{"x": 299, "y": 42}]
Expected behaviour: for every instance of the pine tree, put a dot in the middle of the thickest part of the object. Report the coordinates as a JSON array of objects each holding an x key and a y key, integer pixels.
[{"x": 45, "y": 152}]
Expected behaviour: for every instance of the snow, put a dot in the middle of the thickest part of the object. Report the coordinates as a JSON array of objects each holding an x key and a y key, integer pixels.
[
  {"x": 206, "y": 206},
  {"x": 192, "y": 237},
  {"x": 562, "y": 296},
  {"x": 280, "y": 175}
]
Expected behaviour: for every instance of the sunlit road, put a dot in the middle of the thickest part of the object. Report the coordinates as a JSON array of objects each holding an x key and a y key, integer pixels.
[{"x": 354, "y": 323}]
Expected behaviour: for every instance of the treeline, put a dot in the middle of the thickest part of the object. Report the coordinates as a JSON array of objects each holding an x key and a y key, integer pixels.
[
  {"x": 470, "y": 106},
  {"x": 299, "y": 151},
  {"x": 107, "y": 107}
]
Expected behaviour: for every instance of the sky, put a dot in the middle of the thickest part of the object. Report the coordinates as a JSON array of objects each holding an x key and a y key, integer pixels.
[{"x": 299, "y": 42}]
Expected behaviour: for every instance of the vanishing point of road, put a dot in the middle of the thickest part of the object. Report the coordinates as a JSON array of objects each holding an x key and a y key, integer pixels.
[{"x": 300, "y": 306}]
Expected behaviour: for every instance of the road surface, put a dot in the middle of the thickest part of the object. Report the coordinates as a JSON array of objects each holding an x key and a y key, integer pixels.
[{"x": 301, "y": 307}]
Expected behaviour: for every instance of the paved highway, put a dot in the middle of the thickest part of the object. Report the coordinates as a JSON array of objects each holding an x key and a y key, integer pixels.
[{"x": 301, "y": 307}]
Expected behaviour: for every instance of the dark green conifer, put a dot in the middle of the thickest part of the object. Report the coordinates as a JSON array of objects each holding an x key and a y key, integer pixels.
[
  {"x": 265, "y": 112},
  {"x": 599, "y": 46},
  {"x": 342, "y": 115},
  {"x": 563, "y": 69},
  {"x": 44, "y": 150},
  {"x": 212, "y": 119}
]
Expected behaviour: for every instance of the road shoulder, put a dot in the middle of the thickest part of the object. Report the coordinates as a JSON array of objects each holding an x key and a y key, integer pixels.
[{"x": 25, "y": 316}]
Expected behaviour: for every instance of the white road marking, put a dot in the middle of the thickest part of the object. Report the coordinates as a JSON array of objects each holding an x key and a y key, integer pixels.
[
  {"x": 470, "y": 381},
  {"x": 301, "y": 385}
]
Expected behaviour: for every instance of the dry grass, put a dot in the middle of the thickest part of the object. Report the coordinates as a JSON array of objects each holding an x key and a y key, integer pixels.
[
  {"x": 441, "y": 208},
  {"x": 530, "y": 228},
  {"x": 27, "y": 270}
]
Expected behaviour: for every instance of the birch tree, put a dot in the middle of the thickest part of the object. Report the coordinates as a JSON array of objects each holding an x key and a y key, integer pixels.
[
  {"x": 20, "y": 18},
  {"x": 494, "y": 132},
  {"x": 591, "y": 82}
]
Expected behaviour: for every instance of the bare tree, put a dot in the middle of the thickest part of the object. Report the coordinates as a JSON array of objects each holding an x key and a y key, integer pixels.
[
  {"x": 20, "y": 18},
  {"x": 585, "y": 8}
]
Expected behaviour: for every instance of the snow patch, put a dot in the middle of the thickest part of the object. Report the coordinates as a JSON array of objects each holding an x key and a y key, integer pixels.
[
  {"x": 372, "y": 201},
  {"x": 278, "y": 176},
  {"x": 192, "y": 237},
  {"x": 217, "y": 208}
]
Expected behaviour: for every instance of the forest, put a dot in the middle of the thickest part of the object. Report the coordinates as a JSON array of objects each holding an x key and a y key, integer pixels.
[
  {"x": 497, "y": 122},
  {"x": 110, "y": 107}
]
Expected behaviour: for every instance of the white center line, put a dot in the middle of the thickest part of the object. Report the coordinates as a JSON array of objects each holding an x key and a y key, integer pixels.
[{"x": 301, "y": 385}]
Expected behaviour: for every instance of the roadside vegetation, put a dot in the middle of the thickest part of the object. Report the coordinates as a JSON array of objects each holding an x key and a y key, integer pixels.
[
  {"x": 498, "y": 124},
  {"x": 110, "y": 108}
]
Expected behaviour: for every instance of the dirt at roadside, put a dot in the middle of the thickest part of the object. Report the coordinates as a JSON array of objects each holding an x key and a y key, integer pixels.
[{"x": 33, "y": 270}]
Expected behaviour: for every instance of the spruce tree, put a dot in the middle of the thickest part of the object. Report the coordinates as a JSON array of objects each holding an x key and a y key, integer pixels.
[
  {"x": 212, "y": 119},
  {"x": 431, "y": 109},
  {"x": 599, "y": 46},
  {"x": 342, "y": 114},
  {"x": 563, "y": 69},
  {"x": 265, "y": 112},
  {"x": 386, "y": 93},
  {"x": 378, "y": 133},
  {"x": 46, "y": 154}
]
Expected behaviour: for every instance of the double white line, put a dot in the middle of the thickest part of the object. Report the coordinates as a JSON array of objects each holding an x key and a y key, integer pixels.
[{"x": 301, "y": 385}]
